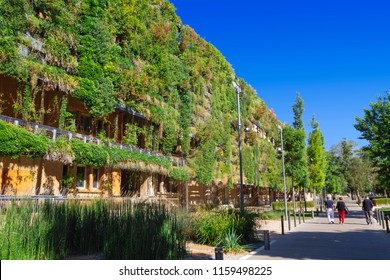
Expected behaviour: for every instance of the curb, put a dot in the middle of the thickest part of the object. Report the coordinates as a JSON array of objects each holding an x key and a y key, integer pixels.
[{"x": 255, "y": 252}]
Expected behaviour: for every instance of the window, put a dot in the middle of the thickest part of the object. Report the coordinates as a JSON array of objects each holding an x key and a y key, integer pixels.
[
  {"x": 95, "y": 178},
  {"x": 99, "y": 126},
  {"x": 86, "y": 124},
  {"x": 80, "y": 175}
]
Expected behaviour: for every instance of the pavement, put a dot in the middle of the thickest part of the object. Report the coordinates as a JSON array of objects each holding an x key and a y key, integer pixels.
[{"x": 316, "y": 239}]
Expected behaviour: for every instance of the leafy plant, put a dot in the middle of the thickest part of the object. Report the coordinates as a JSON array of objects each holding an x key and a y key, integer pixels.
[
  {"x": 231, "y": 242},
  {"x": 179, "y": 174},
  {"x": 16, "y": 141},
  {"x": 211, "y": 227}
]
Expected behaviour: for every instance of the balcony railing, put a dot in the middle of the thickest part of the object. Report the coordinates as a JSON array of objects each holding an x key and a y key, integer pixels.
[{"x": 53, "y": 133}]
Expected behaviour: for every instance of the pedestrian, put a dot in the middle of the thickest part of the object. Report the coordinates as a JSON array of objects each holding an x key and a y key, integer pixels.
[
  {"x": 367, "y": 208},
  {"x": 340, "y": 206},
  {"x": 329, "y": 205}
]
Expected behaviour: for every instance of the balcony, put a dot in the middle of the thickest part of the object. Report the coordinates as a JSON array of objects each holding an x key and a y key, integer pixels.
[{"x": 53, "y": 133}]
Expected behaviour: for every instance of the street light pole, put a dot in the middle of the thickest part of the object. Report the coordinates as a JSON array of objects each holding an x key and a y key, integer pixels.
[
  {"x": 284, "y": 173},
  {"x": 238, "y": 91}
]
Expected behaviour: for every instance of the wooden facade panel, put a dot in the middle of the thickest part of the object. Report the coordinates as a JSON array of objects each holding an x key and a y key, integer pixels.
[
  {"x": 116, "y": 182},
  {"x": 18, "y": 176}
]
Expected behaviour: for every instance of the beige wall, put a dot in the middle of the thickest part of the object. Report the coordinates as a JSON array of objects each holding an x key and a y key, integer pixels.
[
  {"x": 116, "y": 182},
  {"x": 18, "y": 176},
  {"x": 26, "y": 176}
]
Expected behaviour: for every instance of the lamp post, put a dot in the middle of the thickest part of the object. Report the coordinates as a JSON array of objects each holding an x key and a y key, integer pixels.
[
  {"x": 284, "y": 173},
  {"x": 238, "y": 91}
]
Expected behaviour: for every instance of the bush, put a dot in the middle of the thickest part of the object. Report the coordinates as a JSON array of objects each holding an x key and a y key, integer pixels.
[
  {"x": 16, "y": 141},
  {"x": 381, "y": 201},
  {"x": 231, "y": 242},
  {"x": 213, "y": 227},
  {"x": 279, "y": 205}
]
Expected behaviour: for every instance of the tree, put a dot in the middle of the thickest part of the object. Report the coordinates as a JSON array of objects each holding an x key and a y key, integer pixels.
[
  {"x": 375, "y": 128},
  {"x": 299, "y": 148},
  {"x": 335, "y": 179},
  {"x": 295, "y": 147},
  {"x": 298, "y": 108},
  {"x": 316, "y": 158},
  {"x": 349, "y": 169}
]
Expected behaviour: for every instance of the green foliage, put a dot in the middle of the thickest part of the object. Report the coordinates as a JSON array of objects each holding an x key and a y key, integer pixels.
[
  {"x": 179, "y": 174},
  {"x": 60, "y": 150},
  {"x": 212, "y": 228},
  {"x": 316, "y": 158},
  {"x": 295, "y": 155},
  {"x": 231, "y": 242},
  {"x": 121, "y": 230},
  {"x": 298, "y": 109},
  {"x": 89, "y": 154},
  {"x": 16, "y": 141},
  {"x": 349, "y": 169},
  {"x": 378, "y": 201},
  {"x": 205, "y": 163},
  {"x": 248, "y": 164},
  {"x": 375, "y": 128},
  {"x": 185, "y": 121},
  {"x": 278, "y": 205},
  {"x": 130, "y": 136},
  {"x": 117, "y": 156},
  {"x": 295, "y": 146},
  {"x": 139, "y": 54}
]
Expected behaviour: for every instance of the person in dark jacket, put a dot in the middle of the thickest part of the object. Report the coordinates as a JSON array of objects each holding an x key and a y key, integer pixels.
[
  {"x": 367, "y": 208},
  {"x": 340, "y": 206},
  {"x": 330, "y": 209}
]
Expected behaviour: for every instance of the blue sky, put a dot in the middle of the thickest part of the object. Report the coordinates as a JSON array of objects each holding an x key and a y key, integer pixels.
[{"x": 335, "y": 53}]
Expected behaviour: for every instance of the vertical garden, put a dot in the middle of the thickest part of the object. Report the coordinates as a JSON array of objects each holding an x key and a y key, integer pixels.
[{"x": 137, "y": 54}]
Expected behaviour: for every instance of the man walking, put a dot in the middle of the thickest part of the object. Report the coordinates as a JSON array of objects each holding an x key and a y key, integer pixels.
[
  {"x": 330, "y": 209},
  {"x": 367, "y": 208}
]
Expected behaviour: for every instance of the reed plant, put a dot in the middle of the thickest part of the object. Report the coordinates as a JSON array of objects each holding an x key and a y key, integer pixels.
[{"x": 36, "y": 230}]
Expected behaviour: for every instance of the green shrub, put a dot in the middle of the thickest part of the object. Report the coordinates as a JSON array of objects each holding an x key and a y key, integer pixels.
[
  {"x": 231, "y": 242},
  {"x": 212, "y": 227},
  {"x": 179, "y": 174},
  {"x": 279, "y": 205},
  {"x": 381, "y": 201},
  {"x": 16, "y": 141},
  {"x": 89, "y": 154}
]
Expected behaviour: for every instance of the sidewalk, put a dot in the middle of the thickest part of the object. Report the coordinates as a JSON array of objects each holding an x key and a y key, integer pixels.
[{"x": 318, "y": 240}]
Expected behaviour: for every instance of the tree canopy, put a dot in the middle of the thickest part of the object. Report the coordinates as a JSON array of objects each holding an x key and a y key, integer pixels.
[
  {"x": 316, "y": 157},
  {"x": 375, "y": 128}
]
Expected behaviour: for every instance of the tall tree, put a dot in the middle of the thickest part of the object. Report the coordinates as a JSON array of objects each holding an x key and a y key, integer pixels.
[
  {"x": 375, "y": 128},
  {"x": 350, "y": 170},
  {"x": 300, "y": 158},
  {"x": 295, "y": 147},
  {"x": 335, "y": 179},
  {"x": 298, "y": 108},
  {"x": 341, "y": 156},
  {"x": 316, "y": 157}
]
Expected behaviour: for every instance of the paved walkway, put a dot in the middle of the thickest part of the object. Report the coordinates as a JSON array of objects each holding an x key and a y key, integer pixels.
[{"x": 318, "y": 240}]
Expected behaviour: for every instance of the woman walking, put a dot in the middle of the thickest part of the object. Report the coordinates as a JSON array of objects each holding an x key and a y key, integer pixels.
[{"x": 340, "y": 206}]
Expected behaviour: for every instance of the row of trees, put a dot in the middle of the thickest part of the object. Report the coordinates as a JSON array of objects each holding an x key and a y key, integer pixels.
[{"x": 343, "y": 168}]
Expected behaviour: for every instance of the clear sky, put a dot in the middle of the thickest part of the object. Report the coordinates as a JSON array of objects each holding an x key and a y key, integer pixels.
[{"x": 336, "y": 53}]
